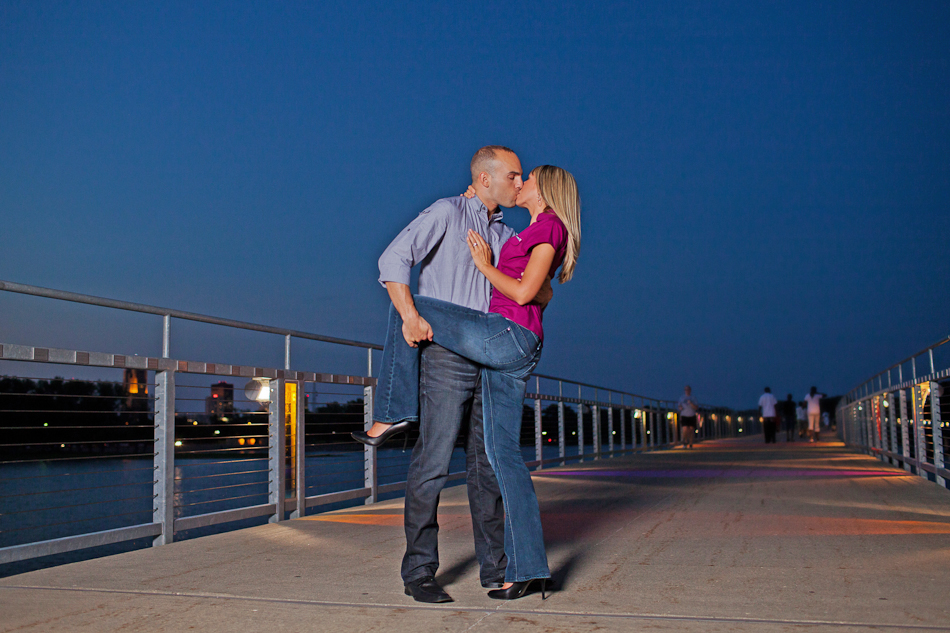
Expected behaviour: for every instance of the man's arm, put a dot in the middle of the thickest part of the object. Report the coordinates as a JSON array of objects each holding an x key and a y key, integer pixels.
[
  {"x": 414, "y": 327},
  {"x": 411, "y": 246}
]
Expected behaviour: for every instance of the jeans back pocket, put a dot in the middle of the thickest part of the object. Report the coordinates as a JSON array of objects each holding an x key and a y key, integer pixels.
[{"x": 504, "y": 348}]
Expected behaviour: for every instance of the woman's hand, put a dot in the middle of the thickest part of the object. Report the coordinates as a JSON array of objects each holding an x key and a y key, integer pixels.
[
  {"x": 481, "y": 251},
  {"x": 469, "y": 193}
]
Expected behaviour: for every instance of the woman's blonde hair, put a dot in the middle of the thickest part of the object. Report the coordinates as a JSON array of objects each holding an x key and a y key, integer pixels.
[{"x": 559, "y": 190}]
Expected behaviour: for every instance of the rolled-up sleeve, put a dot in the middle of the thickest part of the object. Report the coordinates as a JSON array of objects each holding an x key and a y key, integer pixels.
[{"x": 413, "y": 244}]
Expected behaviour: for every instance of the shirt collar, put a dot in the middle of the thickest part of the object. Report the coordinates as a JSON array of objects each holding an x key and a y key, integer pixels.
[{"x": 475, "y": 204}]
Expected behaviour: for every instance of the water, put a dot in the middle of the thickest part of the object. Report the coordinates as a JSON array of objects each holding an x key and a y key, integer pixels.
[{"x": 58, "y": 498}]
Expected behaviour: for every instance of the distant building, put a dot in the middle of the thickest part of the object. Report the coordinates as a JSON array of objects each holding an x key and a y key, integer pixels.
[
  {"x": 135, "y": 384},
  {"x": 221, "y": 401}
]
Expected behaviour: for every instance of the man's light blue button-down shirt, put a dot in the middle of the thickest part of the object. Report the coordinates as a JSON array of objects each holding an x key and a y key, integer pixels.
[{"x": 436, "y": 240}]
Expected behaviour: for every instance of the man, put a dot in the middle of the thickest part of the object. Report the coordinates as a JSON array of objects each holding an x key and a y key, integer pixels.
[
  {"x": 767, "y": 404},
  {"x": 802, "y": 417},
  {"x": 450, "y": 387},
  {"x": 687, "y": 408},
  {"x": 788, "y": 418},
  {"x": 813, "y": 400}
]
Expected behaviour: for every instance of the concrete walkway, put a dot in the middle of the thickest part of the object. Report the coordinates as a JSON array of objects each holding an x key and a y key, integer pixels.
[{"x": 730, "y": 536}]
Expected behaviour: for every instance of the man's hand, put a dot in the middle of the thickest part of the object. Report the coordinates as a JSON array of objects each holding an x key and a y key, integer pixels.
[
  {"x": 415, "y": 330},
  {"x": 545, "y": 294},
  {"x": 414, "y": 327}
]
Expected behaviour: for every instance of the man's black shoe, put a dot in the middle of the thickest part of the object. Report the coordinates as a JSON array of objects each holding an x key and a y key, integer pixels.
[
  {"x": 497, "y": 584},
  {"x": 427, "y": 590}
]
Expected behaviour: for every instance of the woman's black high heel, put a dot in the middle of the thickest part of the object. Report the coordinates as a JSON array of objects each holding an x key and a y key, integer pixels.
[
  {"x": 518, "y": 589},
  {"x": 379, "y": 440}
]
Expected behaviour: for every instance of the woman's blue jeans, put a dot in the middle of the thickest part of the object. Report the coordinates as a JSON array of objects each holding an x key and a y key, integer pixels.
[{"x": 509, "y": 353}]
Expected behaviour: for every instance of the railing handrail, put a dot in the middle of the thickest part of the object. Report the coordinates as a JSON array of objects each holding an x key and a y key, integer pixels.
[
  {"x": 75, "y": 297},
  {"x": 901, "y": 423},
  {"x": 942, "y": 341}
]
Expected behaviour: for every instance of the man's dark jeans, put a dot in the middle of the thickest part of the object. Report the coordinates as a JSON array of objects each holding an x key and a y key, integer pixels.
[{"x": 449, "y": 394}]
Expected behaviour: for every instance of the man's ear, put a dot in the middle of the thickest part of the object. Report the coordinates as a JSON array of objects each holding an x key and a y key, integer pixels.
[{"x": 484, "y": 179}]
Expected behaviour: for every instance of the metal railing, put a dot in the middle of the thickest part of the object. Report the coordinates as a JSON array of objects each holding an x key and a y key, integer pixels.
[
  {"x": 902, "y": 414},
  {"x": 170, "y": 468}
]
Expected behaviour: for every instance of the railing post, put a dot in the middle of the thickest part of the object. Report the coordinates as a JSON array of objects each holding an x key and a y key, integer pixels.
[
  {"x": 667, "y": 427},
  {"x": 874, "y": 422},
  {"x": 936, "y": 424},
  {"x": 623, "y": 426},
  {"x": 300, "y": 452},
  {"x": 580, "y": 425},
  {"x": 595, "y": 427},
  {"x": 920, "y": 437},
  {"x": 276, "y": 460},
  {"x": 610, "y": 425},
  {"x": 370, "y": 463},
  {"x": 884, "y": 418},
  {"x": 166, "y": 335},
  {"x": 880, "y": 425},
  {"x": 905, "y": 432},
  {"x": 163, "y": 488},
  {"x": 648, "y": 428},
  {"x": 561, "y": 432},
  {"x": 538, "y": 449},
  {"x": 846, "y": 427},
  {"x": 891, "y": 425},
  {"x": 643, "y": 428}
]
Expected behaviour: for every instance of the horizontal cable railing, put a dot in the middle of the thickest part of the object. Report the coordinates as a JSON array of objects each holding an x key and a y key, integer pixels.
[
  {"x": 902, "y": 415},
  {"x": 159, "y": 449}
]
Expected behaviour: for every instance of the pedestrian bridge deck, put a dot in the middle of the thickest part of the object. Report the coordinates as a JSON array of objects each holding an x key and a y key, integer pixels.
[{"x": 730, "y": 536}]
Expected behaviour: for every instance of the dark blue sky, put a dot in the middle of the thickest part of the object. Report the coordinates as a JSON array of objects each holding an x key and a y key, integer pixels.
[{"x": 766, "y": 186}]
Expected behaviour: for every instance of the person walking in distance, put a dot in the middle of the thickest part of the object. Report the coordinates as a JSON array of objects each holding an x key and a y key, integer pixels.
[
  {"x": 813, "y": 401},
  {"x": 801, "y": 416},
  {"x": 688, "y": 409},
  {"x": 788, "y": 418},
  {"x": 767, "y": 404}
]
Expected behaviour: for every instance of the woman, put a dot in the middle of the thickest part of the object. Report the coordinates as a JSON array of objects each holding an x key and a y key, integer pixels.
[{"x": 507, "y": 342}]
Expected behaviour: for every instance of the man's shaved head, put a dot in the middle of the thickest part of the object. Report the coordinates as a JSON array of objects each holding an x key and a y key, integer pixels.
[
  {"x": 496, "y": 176},
  {"x": 484, "y": 159}
]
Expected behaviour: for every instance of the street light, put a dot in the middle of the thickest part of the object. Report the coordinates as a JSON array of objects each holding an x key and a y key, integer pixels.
[{"x": 258, "y": 389}]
